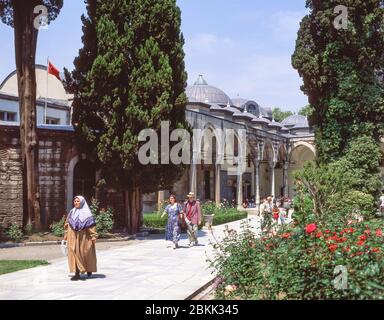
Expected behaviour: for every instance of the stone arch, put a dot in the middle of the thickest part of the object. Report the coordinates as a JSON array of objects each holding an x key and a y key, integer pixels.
[
  {"x": 300, "y": 153},
  {"x": 304, "y": 144},
  {"x": 70, "y": 177}
]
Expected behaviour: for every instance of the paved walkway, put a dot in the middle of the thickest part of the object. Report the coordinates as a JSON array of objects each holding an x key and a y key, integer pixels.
[{"x": 145, "y": 270}]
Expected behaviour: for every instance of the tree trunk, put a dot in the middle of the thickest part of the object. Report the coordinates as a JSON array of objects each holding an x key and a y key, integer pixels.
[
  {"x": 25, "y": 52},
  {"x": 133, "y": 206}
]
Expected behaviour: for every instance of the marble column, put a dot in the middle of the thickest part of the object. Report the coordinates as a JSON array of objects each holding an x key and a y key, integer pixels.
[
  {"x": 193, "y": 177},
  {"x": 286, "y": 182},
  {"x": 240, "y": 190},
  {"x": 257, "y": 182},
  {"x": 217, "y": 184},
  {"x": 272, "y": 166},
  {"x": 160, "y": 199}
]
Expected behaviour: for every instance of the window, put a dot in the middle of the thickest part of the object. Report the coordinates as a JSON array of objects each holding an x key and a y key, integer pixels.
[
  {"x": 52, "y": 120},
  {"x": 252, "y": 109},
  {"x": 8, "y": 116}
]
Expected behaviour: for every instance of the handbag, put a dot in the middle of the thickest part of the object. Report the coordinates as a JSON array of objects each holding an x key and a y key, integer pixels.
[{"x": 64, "y": 247}]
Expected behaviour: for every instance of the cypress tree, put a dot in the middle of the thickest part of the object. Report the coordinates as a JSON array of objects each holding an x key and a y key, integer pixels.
[
  {"x": 129, "y": 76},
  {"x": 342, "y": 71}
]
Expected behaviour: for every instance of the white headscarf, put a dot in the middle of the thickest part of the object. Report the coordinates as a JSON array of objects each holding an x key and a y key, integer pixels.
[{"x": 81, "y": 218}]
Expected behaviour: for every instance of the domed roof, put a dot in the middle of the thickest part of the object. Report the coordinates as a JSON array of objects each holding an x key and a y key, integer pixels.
[
  {"x": 202, "y": 92},
  {"x": 296, "y": 120},
  {"x": 56, "y": 88}
]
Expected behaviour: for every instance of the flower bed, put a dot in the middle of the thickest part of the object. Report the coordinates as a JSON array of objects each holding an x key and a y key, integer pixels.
[{"x": 303, "y": 262}]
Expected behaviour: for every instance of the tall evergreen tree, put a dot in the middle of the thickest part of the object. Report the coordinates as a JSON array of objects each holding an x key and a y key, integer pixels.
[
  {"x": 129, "y": 76},
  {"x": 342, "y": 70},
  {"x": 20, "y": 15}
]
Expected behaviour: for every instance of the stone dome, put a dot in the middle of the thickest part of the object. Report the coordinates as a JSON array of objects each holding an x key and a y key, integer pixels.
[
  {"x": 200, "y": 91},
  {"x": 296, "y": 120}
]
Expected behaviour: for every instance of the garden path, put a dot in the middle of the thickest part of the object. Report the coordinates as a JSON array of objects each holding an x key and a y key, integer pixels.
[{"x": 147, "y": 269}]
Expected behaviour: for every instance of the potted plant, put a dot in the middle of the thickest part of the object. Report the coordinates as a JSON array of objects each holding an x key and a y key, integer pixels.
[{"x": 208, "y": 210}]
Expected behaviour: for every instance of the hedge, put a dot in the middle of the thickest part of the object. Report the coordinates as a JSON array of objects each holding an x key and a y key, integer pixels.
[{"x": 153, "y": 220}]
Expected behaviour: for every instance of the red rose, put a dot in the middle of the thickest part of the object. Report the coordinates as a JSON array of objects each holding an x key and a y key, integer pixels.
[
  {"x": 333, "y": 247},
  {"x": 286, "y": 235},
  {"x": 310, "y": 228},
  {"x": 360, "y": 243},
  {"x": 379, "y": 233},
  {"x": 346, "y": 249},
  {"x": 351, "y": 230},
  {"x": 342, "y": 239},
  {"x": 376, "y": 250},
  {"x": 363, "y": 238},
  {"x": 326, "y": 231},
  {"x": 319, "y": 234},
  {"x": 367, "y": 231}
]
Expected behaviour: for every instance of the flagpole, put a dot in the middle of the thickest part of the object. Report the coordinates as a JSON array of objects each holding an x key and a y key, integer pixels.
[{"x": 46, "y": 95}]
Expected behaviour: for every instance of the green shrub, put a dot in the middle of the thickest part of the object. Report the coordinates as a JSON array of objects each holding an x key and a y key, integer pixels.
[
  {"x": 15, "y": 232},
  {"x": 302, "y": 263},
  {"x": 103, "y": 218},
  {"x": 154, "y": 220},
  {"x": 57, "y": 228},
  {"x": 229, "y": 217},
  {"x": 209, "y": 208},
  {"x": 331, "y": 188},
  {"x": 28, "y": 229}
]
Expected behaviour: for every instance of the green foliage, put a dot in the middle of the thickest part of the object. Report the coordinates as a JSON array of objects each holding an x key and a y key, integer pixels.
[
  {"x": 103, "y": 218},
  {"x": 209, "y": 208},
  {"x": 15, "y": 232},
  {"x": 279, "y": 115},
  {"x": 332, "y": 191},
  {"x": 306, "y": 111},
  {"x": 7, "y": 9},
  {"x": 228, "y": 216},
  {"x": 28, "y": 229},
  {"x": 342, "y": 73},
  {"x": 222, "y": 215},
  {"x": 137, "y": 43},
  {"x": 154, "y": 220},
  {"x": 297, "y": 263},
  {"x": 57, "y": 228}
]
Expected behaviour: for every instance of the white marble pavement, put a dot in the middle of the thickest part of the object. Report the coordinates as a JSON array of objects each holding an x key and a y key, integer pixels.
[{"x": 146, "y": 270}]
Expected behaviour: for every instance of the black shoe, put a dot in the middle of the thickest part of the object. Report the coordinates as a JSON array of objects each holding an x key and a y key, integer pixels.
[
  {"x": 89, "y": 274},
  {"x": 76, "y": 277}
]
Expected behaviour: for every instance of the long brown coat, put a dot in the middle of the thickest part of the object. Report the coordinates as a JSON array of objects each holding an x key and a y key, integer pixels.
[{"x": 81, "y": 249}]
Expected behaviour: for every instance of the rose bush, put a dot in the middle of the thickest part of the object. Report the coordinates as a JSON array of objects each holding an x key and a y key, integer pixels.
[{"x": 300, "y": 262}]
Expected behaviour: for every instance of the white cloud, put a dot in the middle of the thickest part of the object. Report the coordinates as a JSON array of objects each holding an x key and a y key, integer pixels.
[
  {"x": 268, "y": 79},
  {"x": 208, "y": 44},
  {"x": 285, "y": 24}
]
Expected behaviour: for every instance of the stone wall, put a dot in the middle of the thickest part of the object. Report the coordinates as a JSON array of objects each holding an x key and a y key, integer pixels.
[
  {"x": 56, "y": 148},
  {"x": 11, "y": 184}
]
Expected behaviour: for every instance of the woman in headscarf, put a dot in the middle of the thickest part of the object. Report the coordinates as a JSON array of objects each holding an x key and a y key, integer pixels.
[{"x": 80, "y": 234}]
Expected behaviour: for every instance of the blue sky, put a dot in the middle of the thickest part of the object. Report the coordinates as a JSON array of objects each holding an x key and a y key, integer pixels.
[{"x": 243, "y": 47}]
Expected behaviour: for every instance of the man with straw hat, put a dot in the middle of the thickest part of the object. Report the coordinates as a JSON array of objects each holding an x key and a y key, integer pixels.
[{"x": 192, "y": 213}]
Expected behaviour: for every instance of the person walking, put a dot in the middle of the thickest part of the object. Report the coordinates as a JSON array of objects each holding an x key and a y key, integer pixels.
[
  {"x": 192, "y": 212},
  {"x": 382, "y": 204},
  {"x": 174, "y": 212},
  {"x": 80, "y": 234}
]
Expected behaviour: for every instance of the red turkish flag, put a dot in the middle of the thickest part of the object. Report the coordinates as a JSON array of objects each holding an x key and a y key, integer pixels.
[{"x": 53, "y": 70}]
